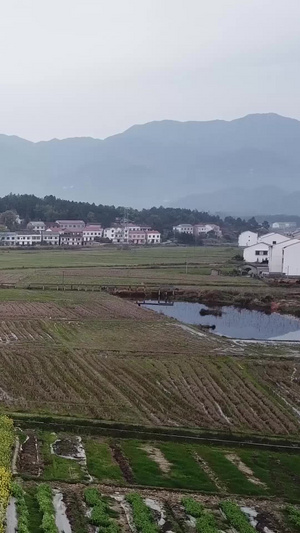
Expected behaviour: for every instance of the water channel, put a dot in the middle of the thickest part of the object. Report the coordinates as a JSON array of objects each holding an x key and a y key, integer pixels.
[{"x": 234, "y": 322}]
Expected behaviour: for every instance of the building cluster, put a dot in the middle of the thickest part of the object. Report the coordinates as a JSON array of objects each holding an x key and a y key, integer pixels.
[
  {"x": 77, "y": 233},
  {"x": 198, "y": 230},
  {"x": 281, "y": 253}
]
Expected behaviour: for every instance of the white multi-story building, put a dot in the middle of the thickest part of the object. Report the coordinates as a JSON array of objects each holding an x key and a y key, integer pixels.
[
  {"x": 184, "y": 228},
  {"x": 36, "y": 225},
  {"x": 51, "y": 236},
  {"x": 291, "y": 260},
  {"x": 276, "y": 254},
  {"x": 27, "y": 238},
  {"x": 247, "y": 238},
  {"x": 71, "y": 225},
  {"x": 90, "y": 233},
  {"x": 153, "y": 237},
  {"x": 8, "y": 238},
  {"x": 204, "y": 229},
  {"x": 272, "y": 238},
  {"x": 72, "y": 238},
  {"x": 257, "y": 253}
]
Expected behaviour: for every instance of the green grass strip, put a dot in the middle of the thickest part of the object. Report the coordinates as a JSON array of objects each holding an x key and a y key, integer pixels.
[
  {"x": 22, "y": 509},
  {"x": 236, "y": 517},
  {"x": 100, "y": 515},
  {"x": 45, "y": 500},
  {"x": 142, "y": 515},
  {"x": 205, "y": 521}
]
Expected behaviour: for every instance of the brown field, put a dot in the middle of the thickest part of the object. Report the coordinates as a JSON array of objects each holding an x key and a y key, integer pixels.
[
  {"x": 113, "y": 360},
  {"x": 96, "y": 355}
]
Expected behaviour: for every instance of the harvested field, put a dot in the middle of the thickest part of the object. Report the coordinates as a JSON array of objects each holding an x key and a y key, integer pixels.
[
  {"x": 24, "y": 331},
  {"x": 161, "y": 390}
]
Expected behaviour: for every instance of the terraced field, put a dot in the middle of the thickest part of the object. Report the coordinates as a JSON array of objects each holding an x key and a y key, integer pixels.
[{"x": 84, "y": 483}]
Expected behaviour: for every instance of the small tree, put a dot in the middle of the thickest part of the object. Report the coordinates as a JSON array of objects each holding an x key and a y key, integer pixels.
[{"x": 9, "y": 219}]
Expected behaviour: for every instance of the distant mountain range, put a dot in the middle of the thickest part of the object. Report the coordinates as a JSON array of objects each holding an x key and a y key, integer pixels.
[{"x": 246, "y": 166}]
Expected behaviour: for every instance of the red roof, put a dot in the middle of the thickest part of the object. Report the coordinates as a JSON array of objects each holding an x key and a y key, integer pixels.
[{"x": 93, "y": 228}]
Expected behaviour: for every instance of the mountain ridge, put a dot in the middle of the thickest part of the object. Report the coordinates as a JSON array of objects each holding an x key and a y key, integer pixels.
[{"x": 158, "y": 162}]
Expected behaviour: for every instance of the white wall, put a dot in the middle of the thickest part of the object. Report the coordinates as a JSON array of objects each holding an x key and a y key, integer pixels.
[
  {"x": 291, "y": 260},
  {"x": 257, "y": 253},
  {"x": 272, "y": 238},
  {"x": 276, "y": 255},
  {"x": 247, "y": 238}
]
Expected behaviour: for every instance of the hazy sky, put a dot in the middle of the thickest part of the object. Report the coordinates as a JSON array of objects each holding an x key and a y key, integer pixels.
[{"x": 95, "y": 67}]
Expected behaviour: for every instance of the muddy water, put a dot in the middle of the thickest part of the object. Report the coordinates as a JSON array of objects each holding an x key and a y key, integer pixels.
[{"x": 234, "y": 322}]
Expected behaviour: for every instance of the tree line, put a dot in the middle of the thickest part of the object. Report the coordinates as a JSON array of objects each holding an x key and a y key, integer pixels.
[{"x": 30, "y": 207}]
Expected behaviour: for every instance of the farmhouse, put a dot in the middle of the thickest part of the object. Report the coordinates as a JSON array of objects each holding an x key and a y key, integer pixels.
[
  {"x": 51, "y": 237},
  {"x": 291, "y": 259},
  {"x": 204, "y": 229},
  {"x": 184, "y": 228},
  {"x": 257, "y": 253},
  {"x": 37, "y": 225},
  {"x": 247, "y": 238},
  {"x": 272, "y": 238},
  {"x": 90, "y": 233},
  {"x": 153, "y": 237},
  {"x": 276, "y": 253},
  {"x": 71, "y": 225},
  {"x": 72, "y": 238}
]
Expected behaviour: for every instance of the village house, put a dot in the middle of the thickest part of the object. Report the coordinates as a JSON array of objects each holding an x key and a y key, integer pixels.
[
  {"x": 204, "y": 229},
  {"x": 27, "y": 238},
  {"x": 272, "y": 238},
  {"x": 90, "y": 233},
  {"x": 257, "y": 253},
  {"x": 36, "y": 225},
  {"x": 247, "y": 238},
  {"x": 72, "y": 238},
  {"x": 51, "y": 236},
  {"x": 276, "y": 254},
  {"x": 291, "y": 260},
  {"x": 8, "y": 238},
  {"x": 71, "y": 225},
  {"x": 137, "y": 237},
  {"x": 184, "y": 228},
  {"x": 153, "y": 237}
]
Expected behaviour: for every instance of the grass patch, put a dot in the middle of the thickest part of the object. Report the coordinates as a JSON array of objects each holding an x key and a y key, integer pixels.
[
  {"x": 58, "y": 468},
  {"x": 280, "y": 471},
  {"x": 185, "y": 473},
  {"x": 35, "y": 516},
  {"x": 100, "y": 462},
  {"x": 228, "y": 473}
]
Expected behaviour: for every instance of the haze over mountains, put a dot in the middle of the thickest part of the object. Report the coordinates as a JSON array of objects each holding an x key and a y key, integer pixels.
[{"x": 246, "y": 166}]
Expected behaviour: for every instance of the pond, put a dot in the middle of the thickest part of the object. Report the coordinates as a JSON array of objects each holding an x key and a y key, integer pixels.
[{"x": 234, "y": 322}]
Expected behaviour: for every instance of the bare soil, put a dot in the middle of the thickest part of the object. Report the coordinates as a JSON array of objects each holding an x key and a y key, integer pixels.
[
  {"x": 122, "y": 462},
  {"x": 158, "y": 457},
  {"x": 235, "y": 459},
  {"x": 29, "y": 460}
]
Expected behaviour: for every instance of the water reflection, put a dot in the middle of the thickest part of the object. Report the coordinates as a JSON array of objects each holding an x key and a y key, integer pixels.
[{"x": 234, "y": 322}]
